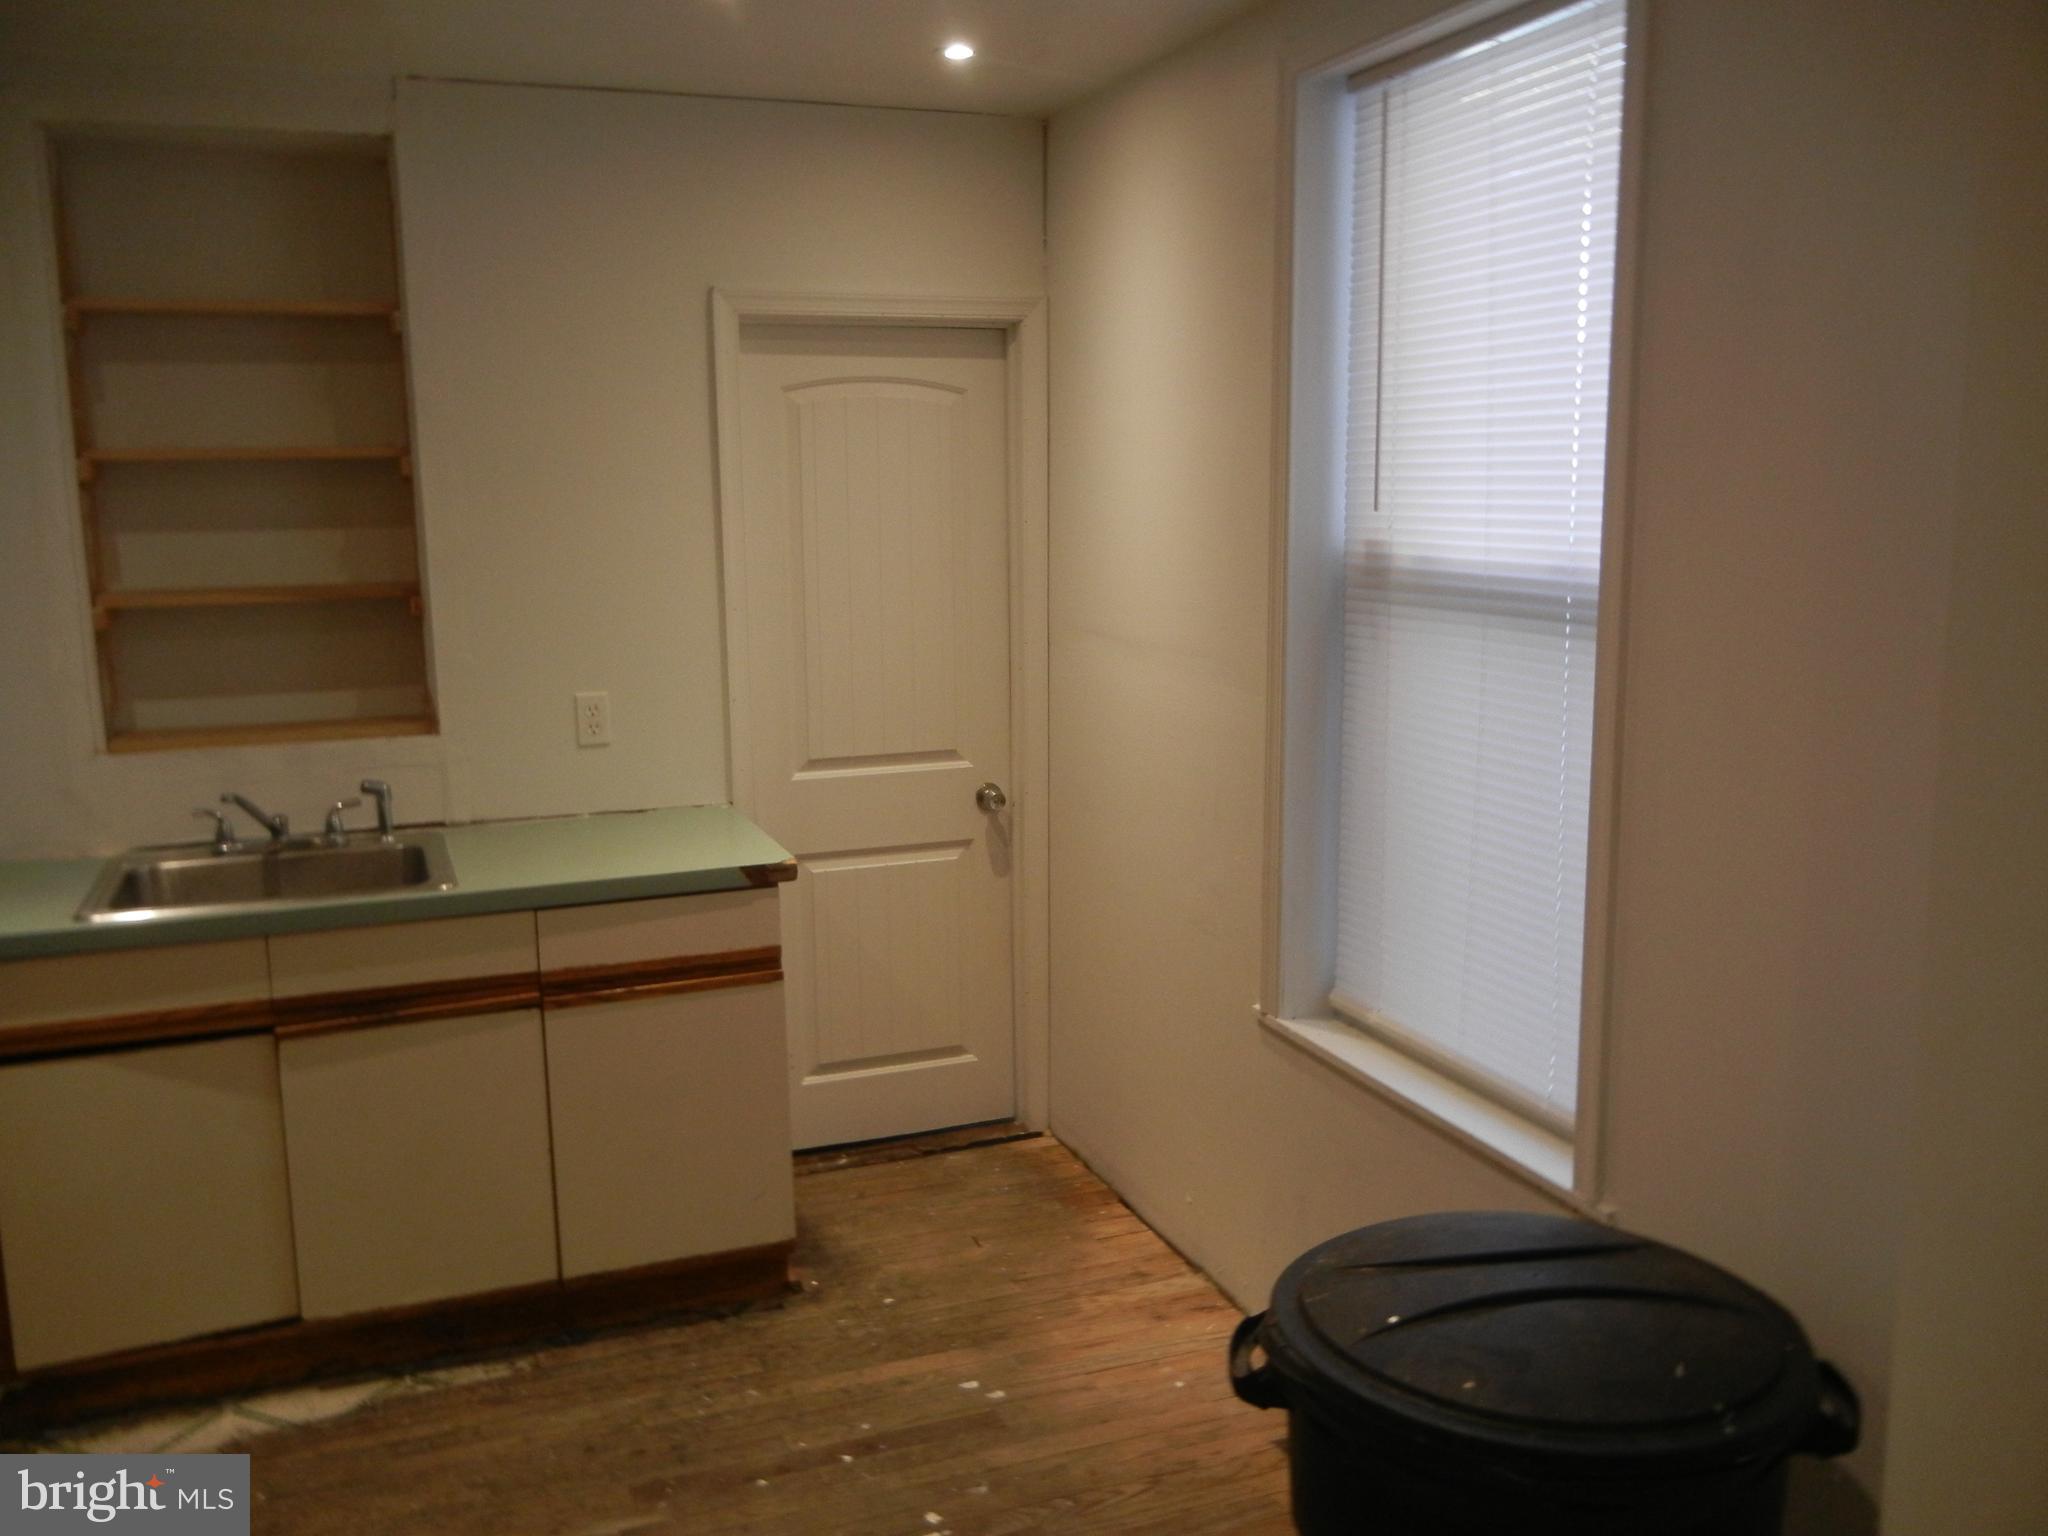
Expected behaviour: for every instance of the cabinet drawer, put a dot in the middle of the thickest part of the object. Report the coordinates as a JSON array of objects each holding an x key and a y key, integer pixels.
[
  {"x": 669, "y": 927},
  {"x": 402, "y": 955},
  {"x": 124, "y": 982},
  {"x": 143, "y": 1198}
]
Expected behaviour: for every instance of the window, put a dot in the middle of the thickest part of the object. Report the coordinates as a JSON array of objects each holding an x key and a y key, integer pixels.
[{"x": 1472, "y": 261}]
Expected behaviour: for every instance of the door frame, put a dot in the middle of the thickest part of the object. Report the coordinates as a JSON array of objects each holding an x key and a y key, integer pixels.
[{"x": 1022, "y": 322}]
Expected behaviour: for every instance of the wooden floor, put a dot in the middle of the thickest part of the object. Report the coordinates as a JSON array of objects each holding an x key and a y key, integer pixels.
[{"x": 986, "y": 1342}]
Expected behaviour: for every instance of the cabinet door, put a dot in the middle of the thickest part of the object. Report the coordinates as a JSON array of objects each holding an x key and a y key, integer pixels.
[
  {"x": 671, "y": 1120},
  {"x": 419, "y": 1161},
  {"x": 143, "y": 1197},
  {"x": 671, "y": 1110}
]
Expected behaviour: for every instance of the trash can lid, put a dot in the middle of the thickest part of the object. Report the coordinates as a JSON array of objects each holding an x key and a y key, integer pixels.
[{"x": 1544, "y": 1335}]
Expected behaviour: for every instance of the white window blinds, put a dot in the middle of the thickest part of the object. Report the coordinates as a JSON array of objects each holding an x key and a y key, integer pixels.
[{"x": 1483, "y": 234}]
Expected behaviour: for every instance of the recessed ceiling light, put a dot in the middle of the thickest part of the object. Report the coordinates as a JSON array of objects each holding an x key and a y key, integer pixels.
[{"x": 959, "y": 53}]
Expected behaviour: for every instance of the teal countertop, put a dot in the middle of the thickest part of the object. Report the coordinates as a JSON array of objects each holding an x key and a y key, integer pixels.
[{"x": 503, "y": 866}]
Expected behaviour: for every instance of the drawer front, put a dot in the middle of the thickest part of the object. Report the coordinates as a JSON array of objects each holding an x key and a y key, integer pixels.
[
  {"x": 669, "y": 927},
  {"x": 401, "y": 955},
  {"x": 125, "y": 982},
  {"x": 143, "y": 1198},
  {"x": 419, "y": 1161}
]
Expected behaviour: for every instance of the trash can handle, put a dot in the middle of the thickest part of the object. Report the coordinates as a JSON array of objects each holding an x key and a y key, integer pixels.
[
  {"x": 1260, "y": 1387},
  {"x": 1838, "y": 1418}
]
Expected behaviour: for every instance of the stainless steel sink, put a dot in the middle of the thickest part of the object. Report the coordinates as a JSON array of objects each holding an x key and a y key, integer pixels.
[{"x": 194, "y": 880}]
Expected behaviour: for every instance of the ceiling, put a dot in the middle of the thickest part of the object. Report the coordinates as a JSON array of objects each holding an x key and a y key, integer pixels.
[{"x": 1033, "y": 55}]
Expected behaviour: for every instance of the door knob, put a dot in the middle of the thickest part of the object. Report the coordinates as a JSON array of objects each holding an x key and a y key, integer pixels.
[{"x": 990, "y": 797}]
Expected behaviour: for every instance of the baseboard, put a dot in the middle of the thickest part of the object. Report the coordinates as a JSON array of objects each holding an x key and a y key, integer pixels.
[{"x": 281, "y": 1354}]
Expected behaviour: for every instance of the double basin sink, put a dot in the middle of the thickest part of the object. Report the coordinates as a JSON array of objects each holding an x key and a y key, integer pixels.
[{"x": 193, "y": 881}]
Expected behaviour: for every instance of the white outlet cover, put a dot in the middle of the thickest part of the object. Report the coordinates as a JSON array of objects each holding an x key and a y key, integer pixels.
[{"x": 593, "y": 719}]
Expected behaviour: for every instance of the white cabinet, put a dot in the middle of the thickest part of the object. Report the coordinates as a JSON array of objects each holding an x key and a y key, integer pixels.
[
  {"x": 142, "y": 1197},
  {"x": 419, "y": 1150},
  {"x": 129, "y": 983},
  {"x": 671, "y": 1128},
  {"x": 350, "y": 1123},
  {"x": 670, "y": 1107},
  {"x": 419, "y": 1158},
  {"x": 142, "y": 1191},
  {"x": 402, "y": 956},
  {"x": 635, "y": 933}
]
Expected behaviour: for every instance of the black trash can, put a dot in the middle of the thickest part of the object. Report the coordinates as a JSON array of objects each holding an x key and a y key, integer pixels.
[{"x": 1504, "y": 1374}]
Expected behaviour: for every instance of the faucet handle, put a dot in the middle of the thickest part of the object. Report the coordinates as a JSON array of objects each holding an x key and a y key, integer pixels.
[
  {"x": 335, "y": 830},
  {"x": 223, "y": 829},
  {"x": 379, "y": 791}
]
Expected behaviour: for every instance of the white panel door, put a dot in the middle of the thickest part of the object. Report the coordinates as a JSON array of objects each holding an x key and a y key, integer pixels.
[{"x": 875, "y": 509}]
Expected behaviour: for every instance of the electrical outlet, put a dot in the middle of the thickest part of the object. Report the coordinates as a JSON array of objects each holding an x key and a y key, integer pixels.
[{"x": 593, "y": 719}]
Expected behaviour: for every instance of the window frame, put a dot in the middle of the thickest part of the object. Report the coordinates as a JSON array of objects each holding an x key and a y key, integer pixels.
[{"x": 1304, "y": 723}]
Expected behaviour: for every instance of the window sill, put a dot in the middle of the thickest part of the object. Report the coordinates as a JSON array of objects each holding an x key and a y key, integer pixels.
[{"x": 1531, "y": 1152}]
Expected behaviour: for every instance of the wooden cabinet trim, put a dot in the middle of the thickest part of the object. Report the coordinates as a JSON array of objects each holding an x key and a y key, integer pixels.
[
  {"x": 74, "y": 1036},
  {"x": 625, "y": 994},
  {"x": 326, "y": 1013},
  {"x": 769, "y": 874},
  {"x": 369, "y": 1008},
  {"x": 576, "y": 986}
]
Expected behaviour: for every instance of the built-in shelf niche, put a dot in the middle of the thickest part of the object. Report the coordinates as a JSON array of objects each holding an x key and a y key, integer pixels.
[{"x": 242, "y": 432}]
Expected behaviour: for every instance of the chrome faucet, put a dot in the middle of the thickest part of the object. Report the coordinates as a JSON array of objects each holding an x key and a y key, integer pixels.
[
  {"x": 380, "y": 792},
  {"x": 279, "y": 827},
  {"x": 224, "y": 841},
  {"x": 337, "y": 822}
]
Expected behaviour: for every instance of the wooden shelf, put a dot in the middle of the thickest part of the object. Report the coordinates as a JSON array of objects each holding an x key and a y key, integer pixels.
[
  {"x": 282, "y": 396},
  {"x": 231, "y": 454},
  {"x": 90, "y": 462},
  {"x": 270, "y": 735},
  {"x": 77, "y": 310},
  {"x": 259, "y": 597}
]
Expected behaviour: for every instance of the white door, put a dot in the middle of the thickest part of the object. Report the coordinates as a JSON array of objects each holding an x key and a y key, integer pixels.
[{"x": 874, "y": 505}]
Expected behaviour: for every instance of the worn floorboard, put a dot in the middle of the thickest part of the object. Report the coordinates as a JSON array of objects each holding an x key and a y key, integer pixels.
[
  {"x": 985, "y": 1342},
  {"x": 899, "y": 1149}
]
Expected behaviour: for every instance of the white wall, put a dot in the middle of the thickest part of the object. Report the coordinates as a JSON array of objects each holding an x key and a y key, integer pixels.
[
  {"x": 1802, "y": 287},
  {"x": 559, "y": 249},
  {"x": 1163, "y": 213},
  {"x": 1971, "y": 1370}
]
